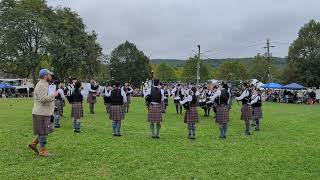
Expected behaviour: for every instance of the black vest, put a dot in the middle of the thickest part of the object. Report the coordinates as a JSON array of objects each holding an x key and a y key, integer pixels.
[
  {"x": 246, "y": 99},
  {"x": 194, "y": 101},
  {"x": 116, "y": 97},
  {"x": 76, "y": 96},
  {"x": 94, "y": 87},
  {"x": 156, "y": 95},
  {"x": 258, "y": 103}
]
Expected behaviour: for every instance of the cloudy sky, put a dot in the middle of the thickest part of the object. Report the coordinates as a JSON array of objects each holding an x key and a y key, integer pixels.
[{"x": 173, "y": 28}]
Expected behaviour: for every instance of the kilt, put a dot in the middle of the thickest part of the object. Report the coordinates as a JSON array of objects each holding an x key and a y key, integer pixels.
[
  {"x": 92, "y": 98},
  {"x": 155, "y": 113},
  {"x": 116, "y": 112},
  {"x": 77, "y": 110},
  {"x": 246, "y": 112},
  {"x": 191, "y": 115},
  {"x": 222, "y": 114},
  {"x": 58, "y": 110},
  {"x": 256, "y": 112},
  {"x": 42, "y": 125},
  {"x": 108, "y": 107}
]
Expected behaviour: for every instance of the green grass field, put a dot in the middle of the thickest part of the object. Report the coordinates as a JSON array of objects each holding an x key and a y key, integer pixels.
[{"x": 288, "y": 147}]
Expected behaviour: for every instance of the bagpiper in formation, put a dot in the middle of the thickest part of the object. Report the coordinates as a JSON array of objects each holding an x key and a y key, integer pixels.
[
  {"x": 117, "y": 112},
  {"x": 256, "y": 104},
  {"x": 191, "y": 115},
  {"x": 178, "y": 96},
  {"x": 59, "y": 103},
  {"x": 246, "y": 110},
  {"x": 76, "y": 100},
  {"x": 155, "y": 96},
  {"x": 128, "y": 90},
  {"x": 107, "y": 96},
  {"x": 221, "y": 99},
  {"x": 92, "y": 96},
  {"x": 209, "y": 104}
]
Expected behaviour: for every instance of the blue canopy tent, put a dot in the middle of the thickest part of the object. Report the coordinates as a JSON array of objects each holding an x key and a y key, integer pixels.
[
  {"x": 271, "y": 86},
  {"x": 4, "y": 86},
  {"x": 293, "y": 86}
]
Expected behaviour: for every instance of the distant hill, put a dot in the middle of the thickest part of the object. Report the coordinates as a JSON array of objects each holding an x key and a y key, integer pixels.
[{"x": 280, "y": 62}]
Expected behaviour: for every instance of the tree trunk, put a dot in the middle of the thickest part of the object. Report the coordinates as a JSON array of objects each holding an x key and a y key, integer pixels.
[{"x": 34, "y": 78}]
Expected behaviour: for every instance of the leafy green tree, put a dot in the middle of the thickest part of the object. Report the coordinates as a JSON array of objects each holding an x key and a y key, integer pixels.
[
  {"x": 130, "y": 64},
  {"x": 190, "y": 70},
  {"x": 304, "y": 56},
  {"x": 23, "y": 37},
  {"x": 237, "y": 70},
  {"x": 262, "y": 67},
  {"x": 165, "y": 73}
]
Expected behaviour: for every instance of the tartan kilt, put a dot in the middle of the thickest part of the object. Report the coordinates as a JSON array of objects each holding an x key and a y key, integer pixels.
[
  {"x": 256, "y": 112},
  {"x": 246, "y": 112},
  {"x": 92, "y": 98},
  {"x": 222, "y": 114},
  {"x": 155, "y": 113},
  {"x": 58, "y": 110},
  {"x": 116, "y": 112},
  {"x": 191, "y": 115},
  {"x": 108, "y": 107},
  {"x": 77, "y": 110},
  {"x": 42, "y": 125}
]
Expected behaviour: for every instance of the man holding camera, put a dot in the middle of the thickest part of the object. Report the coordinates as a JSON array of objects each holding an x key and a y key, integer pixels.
[{"x": 42, "y": 112}]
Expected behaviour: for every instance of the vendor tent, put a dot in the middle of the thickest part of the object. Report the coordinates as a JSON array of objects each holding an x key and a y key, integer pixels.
[
  {"x": 293, "y": 86},
  {"x": 4, "y": 86},
  {"x": 271, "y": 86}
]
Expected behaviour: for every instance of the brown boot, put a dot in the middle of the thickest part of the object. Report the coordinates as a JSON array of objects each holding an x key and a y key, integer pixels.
[
  {"x": 33, "y": 145},
  {"x": 44, "y": 152}
]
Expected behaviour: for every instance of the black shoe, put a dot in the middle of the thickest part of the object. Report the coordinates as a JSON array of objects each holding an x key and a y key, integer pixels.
[
  {"x": 193, "y": 138},
  {"x": 157, "y": 137},
  {"x": 248, "y": 133},
  {"x": 118, "y": 135},
  {"x": 114, "y": 135},
  {"x": 77, "y": 131},
  {"x": 153, "y": 136},
  {"x": 57, "y": 126},
  {"x": 224, "y": 137}
]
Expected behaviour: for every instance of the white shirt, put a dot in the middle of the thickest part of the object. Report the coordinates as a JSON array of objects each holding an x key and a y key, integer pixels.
[
  {"x": 107, "y": 92},
  {"x": 60, "y": 91},
  {"x": 255, "y": 98},
  {"x": 243, "y": 95},
  {"x": 215, "y": 95},
  {"x": 187, "y": 99}
]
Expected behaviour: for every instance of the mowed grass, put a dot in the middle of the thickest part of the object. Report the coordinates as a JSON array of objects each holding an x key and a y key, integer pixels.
[{"x": 288, "y": 147}]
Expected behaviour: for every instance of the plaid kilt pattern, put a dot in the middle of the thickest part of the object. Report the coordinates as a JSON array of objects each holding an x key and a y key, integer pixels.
[
  {"x": 92, "y": 98},
  {"x": 42, "y": 125},
  {"x": 246, "y": 112},
  {"x": 256, "y": 112},
  {"x": 58, "y": 110},
  {"x": 191, "y": 115},
  {"x": 77, "y": 110},
  {"x": 222, "y": 115},
  {"x": 155, "y": 113},
  {"x": 116, "y": 112},
  {"x": 108, "y": 105}
]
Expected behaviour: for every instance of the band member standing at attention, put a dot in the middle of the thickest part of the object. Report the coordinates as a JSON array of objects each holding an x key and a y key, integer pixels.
[
  {"x": 177, "y": 93},
  {"x": 77, "y": 108},
  {"x": 128, "y": 90},
  {"x": 42, "y": 111},
  {"x": 155, "y": 96},
  {"x": 256, "y": 104},
  {"x": 246, "y": 110},
  {"x": 221, "y": 98},
  {"x": 107, "y": 96},
  {"x": 191, "y": 115},
  {"x": 117, "y": 114},
  {"x": 59, "y": 101},
  {"x": 92, "y": 96},
  {"x": 166, "y": 97}
]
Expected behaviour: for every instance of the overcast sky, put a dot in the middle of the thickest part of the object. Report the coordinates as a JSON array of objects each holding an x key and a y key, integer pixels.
[{"x": 173, "y": 28}]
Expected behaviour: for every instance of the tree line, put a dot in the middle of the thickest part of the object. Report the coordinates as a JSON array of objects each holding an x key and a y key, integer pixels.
[{"x": 34, "y": 35}]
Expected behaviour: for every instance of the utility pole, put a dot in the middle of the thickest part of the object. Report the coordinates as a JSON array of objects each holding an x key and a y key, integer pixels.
[
  {"x": 198, "y": 65},
  {"x": 268, "y": 57}
]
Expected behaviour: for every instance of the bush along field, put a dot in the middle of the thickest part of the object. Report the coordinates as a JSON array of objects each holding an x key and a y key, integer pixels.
[{"x": 287, "y": 147}]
